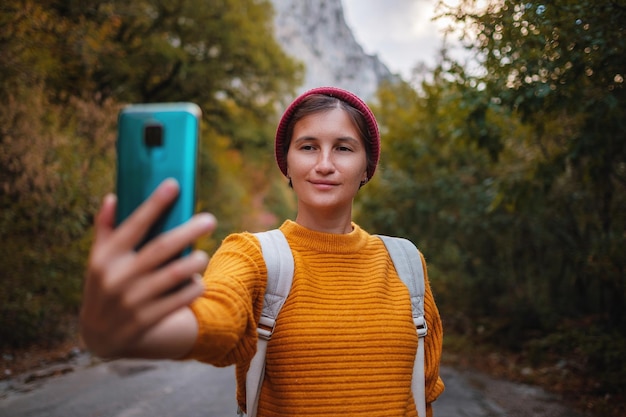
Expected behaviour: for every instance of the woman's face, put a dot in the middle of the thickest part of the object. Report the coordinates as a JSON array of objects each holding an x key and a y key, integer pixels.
[{"x": 326, "y": 162}]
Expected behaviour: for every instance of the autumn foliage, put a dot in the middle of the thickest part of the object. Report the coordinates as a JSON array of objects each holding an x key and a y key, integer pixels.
[{"x": 66, "y": 68}]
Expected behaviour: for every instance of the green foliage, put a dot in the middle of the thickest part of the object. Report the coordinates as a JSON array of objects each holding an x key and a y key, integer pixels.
[
  {"x": 220, "y": 55},
  {"x": 560, "y": 67}
]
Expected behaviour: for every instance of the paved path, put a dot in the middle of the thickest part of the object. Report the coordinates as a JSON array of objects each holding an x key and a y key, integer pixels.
[{"x": 133, "y": 388}]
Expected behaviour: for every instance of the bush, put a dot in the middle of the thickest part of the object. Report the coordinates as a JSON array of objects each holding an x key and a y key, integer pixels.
[{"x": 56, "y": 164}]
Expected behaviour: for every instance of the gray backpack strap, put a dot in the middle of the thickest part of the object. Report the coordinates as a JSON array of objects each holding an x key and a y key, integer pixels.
[
  {"x": 279, "y": 264},
  {"x": 408, "y": 263}
]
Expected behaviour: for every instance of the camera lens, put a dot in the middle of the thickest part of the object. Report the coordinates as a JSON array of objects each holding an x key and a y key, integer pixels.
[{"x": 153, "y": 135}]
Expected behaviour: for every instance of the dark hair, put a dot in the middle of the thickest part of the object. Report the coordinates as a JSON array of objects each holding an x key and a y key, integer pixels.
[{"x": 316, "y": 103}]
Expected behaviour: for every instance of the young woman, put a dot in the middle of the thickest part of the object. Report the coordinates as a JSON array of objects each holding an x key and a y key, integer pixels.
[{"x": 344, "y": 342}]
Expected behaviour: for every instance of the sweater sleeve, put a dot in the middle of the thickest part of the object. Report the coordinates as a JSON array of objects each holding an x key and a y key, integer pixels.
[
  {"x": 231, "y": 304},
  {"x": 433, "y": 346}
]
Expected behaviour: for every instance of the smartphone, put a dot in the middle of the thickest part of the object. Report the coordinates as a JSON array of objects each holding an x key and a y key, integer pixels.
[{"x": 154, "y": 142}]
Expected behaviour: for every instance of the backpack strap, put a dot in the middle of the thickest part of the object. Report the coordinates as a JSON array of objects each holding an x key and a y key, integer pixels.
[
  {"x": 279, "y": 264},
  {"x": 408, "y": 263}
]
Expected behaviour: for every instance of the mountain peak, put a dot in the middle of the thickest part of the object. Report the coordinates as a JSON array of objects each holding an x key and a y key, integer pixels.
[{"x": 316, "y": 33}]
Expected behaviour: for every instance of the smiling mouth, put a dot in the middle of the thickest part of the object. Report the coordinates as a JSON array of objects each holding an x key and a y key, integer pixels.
[{"x": 323, "y": 184}]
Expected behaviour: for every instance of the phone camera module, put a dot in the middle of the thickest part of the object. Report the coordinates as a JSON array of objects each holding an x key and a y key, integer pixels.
[{"x": 153, "y": 135}]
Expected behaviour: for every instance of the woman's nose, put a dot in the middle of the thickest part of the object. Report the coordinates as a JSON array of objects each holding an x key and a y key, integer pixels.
[{"x": 325, "y": 162}]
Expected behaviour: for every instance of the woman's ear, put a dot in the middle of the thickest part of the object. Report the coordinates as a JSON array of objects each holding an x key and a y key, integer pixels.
[{"x": 364, "y": 180}]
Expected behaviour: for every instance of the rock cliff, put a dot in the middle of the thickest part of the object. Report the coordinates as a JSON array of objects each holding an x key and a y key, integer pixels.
[{"x": 315, "y": 33}]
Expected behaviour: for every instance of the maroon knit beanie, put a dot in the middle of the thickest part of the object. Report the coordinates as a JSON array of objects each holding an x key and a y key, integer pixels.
[{"x": 373, "y": 142}]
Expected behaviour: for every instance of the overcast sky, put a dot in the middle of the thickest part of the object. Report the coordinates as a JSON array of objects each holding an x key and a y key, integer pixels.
[{"x": 400, "y": 32}]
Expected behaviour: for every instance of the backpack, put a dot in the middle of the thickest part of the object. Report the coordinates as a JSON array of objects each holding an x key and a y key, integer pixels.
[{"x": 280, "y": 269}]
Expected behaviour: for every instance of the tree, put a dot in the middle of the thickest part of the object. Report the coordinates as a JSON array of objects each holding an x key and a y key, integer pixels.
[{"x": 560, "y": 66}]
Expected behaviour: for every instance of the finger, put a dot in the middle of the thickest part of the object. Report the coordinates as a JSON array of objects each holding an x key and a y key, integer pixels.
[
  {"x": 105, "y": 218},
  {"x": 121, "y": 324},
  {"x": 176, "y": 274},
  {"x": 155, "y": 312},
  {"x": 166, "y": 246},
  {"x": 103, "y": 228},
  {"x": 134, "y": 228},
  {"x": 128, "y": 276}
]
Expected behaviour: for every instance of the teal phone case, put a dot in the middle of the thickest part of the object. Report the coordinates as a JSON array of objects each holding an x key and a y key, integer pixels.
[{"x": 157, "y": 141}]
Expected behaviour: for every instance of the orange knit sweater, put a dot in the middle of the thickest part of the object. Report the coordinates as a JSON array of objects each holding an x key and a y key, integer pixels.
[{"x": 344, "y": 342}]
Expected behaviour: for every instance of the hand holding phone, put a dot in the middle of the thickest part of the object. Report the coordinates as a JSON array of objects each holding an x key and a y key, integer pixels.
[{"x": 124, "y": 312}]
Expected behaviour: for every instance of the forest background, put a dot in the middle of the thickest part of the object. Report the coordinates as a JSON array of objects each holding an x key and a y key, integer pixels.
[{"x": 512, "y": 179}]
